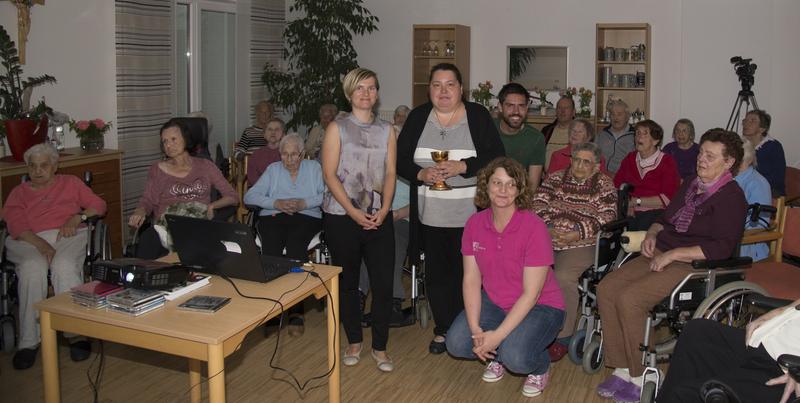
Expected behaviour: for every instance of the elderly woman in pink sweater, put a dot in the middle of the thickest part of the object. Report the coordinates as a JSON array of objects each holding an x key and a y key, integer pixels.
[{"x": 45, "y": 217}]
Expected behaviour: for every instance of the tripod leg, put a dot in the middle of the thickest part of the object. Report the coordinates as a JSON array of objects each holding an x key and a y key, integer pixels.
[{"x": 734, "y": 118}]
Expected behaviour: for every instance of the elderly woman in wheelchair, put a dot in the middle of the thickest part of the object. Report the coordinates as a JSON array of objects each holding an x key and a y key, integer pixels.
[
  {"x": 703, "y": 221},
  {"x": 45, "y": 218},
  {"x": 575, "y": 203},
  {"x": 181, "y": 183}
]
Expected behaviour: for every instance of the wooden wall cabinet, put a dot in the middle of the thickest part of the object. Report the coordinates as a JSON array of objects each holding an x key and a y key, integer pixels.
[
  {"x": 622, "y": 36},
  {"x": 430, "y": 48},
  {"x": 106, "y": 183}
]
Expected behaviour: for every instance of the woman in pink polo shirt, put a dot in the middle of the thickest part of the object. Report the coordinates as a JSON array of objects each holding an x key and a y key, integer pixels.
[
  {"x": 45, "y": 218},
  {"x": 513, "y": 307}
]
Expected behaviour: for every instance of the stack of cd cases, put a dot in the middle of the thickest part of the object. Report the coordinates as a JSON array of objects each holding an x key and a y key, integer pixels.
[
  {"x": 94, "y": 294},
  {"x": 135, "y": 302}
]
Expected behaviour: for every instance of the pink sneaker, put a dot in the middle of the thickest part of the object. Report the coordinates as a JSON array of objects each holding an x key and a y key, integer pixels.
[
  {"x": 494, "y": 372},
  {"x": 535, "y": 384}
]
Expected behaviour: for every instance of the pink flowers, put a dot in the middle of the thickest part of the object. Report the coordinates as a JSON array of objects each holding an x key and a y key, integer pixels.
[{"x": 89, "y": 129}]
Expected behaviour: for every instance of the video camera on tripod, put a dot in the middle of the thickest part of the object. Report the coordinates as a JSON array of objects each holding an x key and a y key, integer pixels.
[{"x": 746, "y": 71}]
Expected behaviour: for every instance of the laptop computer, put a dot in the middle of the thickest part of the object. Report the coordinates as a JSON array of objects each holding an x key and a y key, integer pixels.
[{"x": 224, "y": 248}]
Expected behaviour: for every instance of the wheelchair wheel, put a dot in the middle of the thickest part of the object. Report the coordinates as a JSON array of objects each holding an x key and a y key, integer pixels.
[
  {"x": 648, "y": 392},
  {"x": 725, "y": 304},
  {"x": 423, "y": 313},
  {"x": 592, "y": 358},
  {"x": 9, "y": 336},
  {"x": 576, "y": 347}
]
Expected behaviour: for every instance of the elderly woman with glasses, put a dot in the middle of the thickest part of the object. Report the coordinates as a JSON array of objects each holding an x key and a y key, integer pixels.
[
  {"x": 580, "y": 131},
  {"x": 575, "y": 203},
  {"x": 45, "y": 218}
]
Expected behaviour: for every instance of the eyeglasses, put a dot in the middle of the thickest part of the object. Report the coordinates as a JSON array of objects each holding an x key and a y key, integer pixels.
[
  {"x": 498, "y": 184},
  {"x": 290, "y": 155},
  {"x": 581, "y": 161}
]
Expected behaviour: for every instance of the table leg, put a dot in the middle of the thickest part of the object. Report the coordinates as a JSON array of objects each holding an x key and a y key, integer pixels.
[
  {"x": 216, "y": 374},
  {"x": 52, "y": 393},
  {"x": 333, "y": 340},
  {"x": 194, "y": 381}
]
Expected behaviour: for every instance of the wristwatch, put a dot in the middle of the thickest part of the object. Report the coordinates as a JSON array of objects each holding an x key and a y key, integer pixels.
[{"x": 638, "y": 202}]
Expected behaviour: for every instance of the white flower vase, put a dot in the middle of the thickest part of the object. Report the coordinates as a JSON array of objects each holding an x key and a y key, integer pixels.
[{"x": 543, "y": 110}]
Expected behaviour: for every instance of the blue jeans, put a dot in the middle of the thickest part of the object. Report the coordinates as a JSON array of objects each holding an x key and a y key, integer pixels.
[{"x": 524, "y": 350}]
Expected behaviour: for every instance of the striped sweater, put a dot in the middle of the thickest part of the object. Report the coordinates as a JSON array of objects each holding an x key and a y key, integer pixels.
[{"x": 568, "y": 205}]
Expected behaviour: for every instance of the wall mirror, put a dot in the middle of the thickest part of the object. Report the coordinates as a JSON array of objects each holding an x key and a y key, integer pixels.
[{"x": 544, "y": 67}]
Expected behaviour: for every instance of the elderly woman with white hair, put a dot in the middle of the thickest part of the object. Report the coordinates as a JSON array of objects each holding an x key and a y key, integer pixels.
[
  {"x": 289, "y": 194},
  {"x": 756, "y": 190},
  {"x": 45, "y": 217}
]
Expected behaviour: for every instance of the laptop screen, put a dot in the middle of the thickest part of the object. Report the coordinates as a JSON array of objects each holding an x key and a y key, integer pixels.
[{"x": 216, "y": 247}]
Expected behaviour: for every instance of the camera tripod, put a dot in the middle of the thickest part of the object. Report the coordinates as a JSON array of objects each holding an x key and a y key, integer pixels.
[{"x": 746, "y": 98}]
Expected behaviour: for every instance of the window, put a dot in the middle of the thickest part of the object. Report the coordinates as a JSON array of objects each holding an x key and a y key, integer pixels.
[{"x": 205, "y": 37}]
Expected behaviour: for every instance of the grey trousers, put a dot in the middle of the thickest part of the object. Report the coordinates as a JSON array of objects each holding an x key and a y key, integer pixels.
[
  {"x": 31, "y": 267},
  {"x": 401, "y": 229}
]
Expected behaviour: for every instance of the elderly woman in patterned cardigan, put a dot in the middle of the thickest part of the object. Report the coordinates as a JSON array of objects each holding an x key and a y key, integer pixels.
[{"x": 574, "y": 203}]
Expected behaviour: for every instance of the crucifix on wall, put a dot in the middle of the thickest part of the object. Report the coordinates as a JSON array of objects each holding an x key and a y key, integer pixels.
[{"x": 24, "y": 23}]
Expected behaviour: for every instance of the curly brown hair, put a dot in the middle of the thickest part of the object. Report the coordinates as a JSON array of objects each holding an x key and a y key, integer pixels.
[
  {"x": 524, "y": 199},
  {"x": 732, "y": 143}
]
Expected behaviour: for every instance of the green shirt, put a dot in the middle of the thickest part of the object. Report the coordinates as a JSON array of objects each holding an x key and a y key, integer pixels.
[{"x": 526, "y": 147}]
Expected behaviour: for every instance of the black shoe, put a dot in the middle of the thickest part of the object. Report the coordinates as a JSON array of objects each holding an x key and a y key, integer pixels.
[
  {"x": 437, "y": 347},
  {"x": 80, "y": 350},
  {"x": 25, "y": 358},
  {"x": 400, "y": 317}
]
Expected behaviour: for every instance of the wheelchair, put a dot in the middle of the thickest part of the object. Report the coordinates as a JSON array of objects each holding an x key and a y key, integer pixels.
[
  {"x": 700, "y": 294},
  {"x": 609, "y": 255}
]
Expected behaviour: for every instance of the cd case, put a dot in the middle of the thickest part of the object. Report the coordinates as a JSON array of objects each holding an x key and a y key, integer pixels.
[{"x": 204, "y": 303}]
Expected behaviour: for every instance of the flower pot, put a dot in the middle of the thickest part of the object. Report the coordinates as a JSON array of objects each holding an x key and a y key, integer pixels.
[
  {"x": 23, "y": 134},
  {"x": 92, "y": 144}
]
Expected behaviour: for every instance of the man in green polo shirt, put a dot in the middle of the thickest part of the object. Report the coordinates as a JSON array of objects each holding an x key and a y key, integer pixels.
[{"x": 522, "y": 142}]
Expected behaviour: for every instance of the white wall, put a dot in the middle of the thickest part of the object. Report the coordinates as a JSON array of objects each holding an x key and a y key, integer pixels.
[
  {"x": 692, "y": 42},
  {"x": 72, "y": 41}
]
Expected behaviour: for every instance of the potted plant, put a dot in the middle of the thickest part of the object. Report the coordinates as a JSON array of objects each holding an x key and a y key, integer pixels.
[
  {"x": 90, "y": 132},
  {"x": 483, "y": 94},
  {"x": 19, "y": 120},
  {"x": 320, "y": 52}
]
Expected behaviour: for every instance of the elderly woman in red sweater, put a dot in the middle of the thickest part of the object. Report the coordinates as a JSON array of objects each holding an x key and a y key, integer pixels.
[
  {"x": 45, "y": 218},
  {"x": 574, "y": 203},
  {"x": 653, "y": 174}
]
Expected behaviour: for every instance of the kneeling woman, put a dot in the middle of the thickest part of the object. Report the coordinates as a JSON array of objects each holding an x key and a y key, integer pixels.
[{"x": 507, "y": 251}]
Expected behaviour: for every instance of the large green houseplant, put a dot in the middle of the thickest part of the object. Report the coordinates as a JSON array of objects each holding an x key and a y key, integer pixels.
[
  {"x": 19, "y": 120},
  {"x": 320, "y": 52}
]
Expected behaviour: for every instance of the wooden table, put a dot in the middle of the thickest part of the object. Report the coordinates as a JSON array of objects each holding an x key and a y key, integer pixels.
[{"x": 195, "y": 335}]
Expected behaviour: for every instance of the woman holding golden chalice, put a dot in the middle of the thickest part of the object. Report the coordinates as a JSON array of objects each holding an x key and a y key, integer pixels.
[{"x": 467, "y": 133}]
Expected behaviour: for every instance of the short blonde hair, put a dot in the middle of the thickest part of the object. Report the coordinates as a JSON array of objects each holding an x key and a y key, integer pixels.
[{"x": 356, "y": 76}]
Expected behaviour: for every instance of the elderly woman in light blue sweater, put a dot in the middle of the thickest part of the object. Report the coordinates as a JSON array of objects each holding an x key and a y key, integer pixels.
[{"x": 289, "y": 194}]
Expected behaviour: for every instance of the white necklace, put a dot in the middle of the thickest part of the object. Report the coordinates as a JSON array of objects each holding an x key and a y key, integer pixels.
[{"x": 443, "y": 131}]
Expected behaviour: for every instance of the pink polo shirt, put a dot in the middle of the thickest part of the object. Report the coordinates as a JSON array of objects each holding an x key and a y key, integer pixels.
[
  {"x": 502, "y": 257},
  {"x": 37, "y": 210}
]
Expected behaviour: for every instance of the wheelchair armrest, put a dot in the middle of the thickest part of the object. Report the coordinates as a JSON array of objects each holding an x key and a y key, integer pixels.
[
  {"x": 792, "y": 365},
  {"x": 722, "y": 263},
  {"x": 93, "y": 219},
  {"x": 252, "y": 208},
  {"x": 763, "y": 301},
  {"x": 615, "y": 225}
]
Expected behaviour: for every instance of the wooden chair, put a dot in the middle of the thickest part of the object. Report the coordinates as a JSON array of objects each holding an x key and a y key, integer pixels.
[
  {"x": 773, "y": 234},
  {"x": 780, "y": 278},
  {"x": 792, "y": 186},
  {"x": 241, "y": 188}
]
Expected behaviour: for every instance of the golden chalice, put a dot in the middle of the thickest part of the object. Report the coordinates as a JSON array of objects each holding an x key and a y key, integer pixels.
[{"x": 439, "y": 156}]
